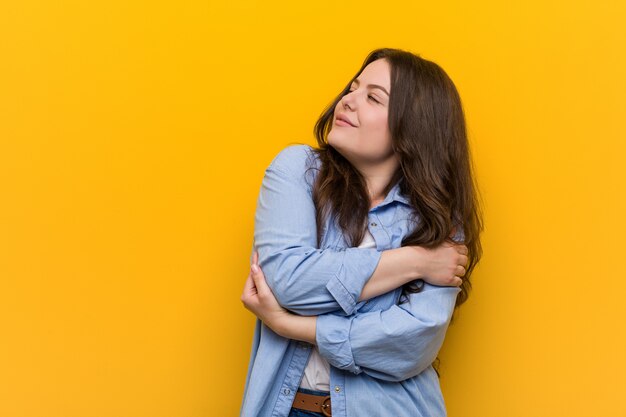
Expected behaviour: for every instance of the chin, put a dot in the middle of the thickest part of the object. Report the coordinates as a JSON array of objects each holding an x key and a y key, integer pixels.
[
  {"x": 334, "y": 142},
  {"x": 343, "y": 150},
  {"x": 337, "y": 137}
]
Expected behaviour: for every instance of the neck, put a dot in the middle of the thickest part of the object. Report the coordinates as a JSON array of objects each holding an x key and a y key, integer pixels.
[
  {"x": 377, "y": 178},
  {"x": 376, "y": 186}
]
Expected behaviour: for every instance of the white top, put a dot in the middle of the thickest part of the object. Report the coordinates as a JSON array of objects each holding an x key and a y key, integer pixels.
[{"x": 317, "y": 372}]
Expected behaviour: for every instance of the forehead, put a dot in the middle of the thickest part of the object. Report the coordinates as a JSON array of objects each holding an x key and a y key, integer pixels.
[{"x": 377, "y": 72}]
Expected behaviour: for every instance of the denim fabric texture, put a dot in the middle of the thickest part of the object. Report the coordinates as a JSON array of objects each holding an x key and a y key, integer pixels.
[{"x": 380, "y": 350}]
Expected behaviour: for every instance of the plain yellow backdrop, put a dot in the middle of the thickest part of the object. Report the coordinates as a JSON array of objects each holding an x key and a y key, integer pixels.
[{"x": 133, "y": 140}]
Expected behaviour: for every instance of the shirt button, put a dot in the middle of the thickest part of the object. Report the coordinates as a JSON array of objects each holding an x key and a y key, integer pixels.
[
  {"x": 373, "y": 224},
  {"x": 286, "y": 391},
  {"x": 337, "y": 389}
]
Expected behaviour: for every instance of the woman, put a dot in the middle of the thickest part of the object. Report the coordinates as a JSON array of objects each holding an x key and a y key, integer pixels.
[{"x": 358, "y": 277}]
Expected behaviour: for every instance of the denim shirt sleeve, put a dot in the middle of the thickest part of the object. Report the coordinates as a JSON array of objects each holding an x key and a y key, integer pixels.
[
  {"x": 305, "y": 279},
  {"x": 393, "y": 344}
]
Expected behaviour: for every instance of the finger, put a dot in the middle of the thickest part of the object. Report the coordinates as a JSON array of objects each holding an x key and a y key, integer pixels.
[
  {"x": 249, "y": 281},
  {"x": 249, "y": 289},
  {"x": 250, "y": 284},
  {"x": 254, "y": 272},
  {"x": 259, "y": 278},
  {"x": 462, "y": 249},
  {"x": 460, "y": 271},
  {"x": 255, "y": 257},
  {"x": 458, "y": 281},
  {"x": 463, "y": 260}
]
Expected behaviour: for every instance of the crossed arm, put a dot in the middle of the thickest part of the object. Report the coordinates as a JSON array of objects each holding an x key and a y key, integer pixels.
[
  {"x": 324, "y": 286},
  {"x": 311, "y": 281},
  {"x": 393, "y": 344}
]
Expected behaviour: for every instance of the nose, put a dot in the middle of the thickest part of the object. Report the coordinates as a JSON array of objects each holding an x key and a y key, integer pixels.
[
  {"x": 348, "y": 101},
  {"x": 347, "y": 106}
]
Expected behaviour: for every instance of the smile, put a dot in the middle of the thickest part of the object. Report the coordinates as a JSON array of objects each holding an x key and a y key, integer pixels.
[{"x": 340, "y": 122}]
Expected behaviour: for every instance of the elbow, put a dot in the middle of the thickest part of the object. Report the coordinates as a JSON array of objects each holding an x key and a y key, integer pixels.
[
  {"x": 286, "y": 298},
  {"x": 412, "y": 369},
  {"x": 398, "y": 372},
  {"x": 408, "y": 371},
  {"x": 418, "y": 352},
  {"x": 290, "y": 296},
  {"x": 278, "y": 272},
  {"x": 285, "y": 294},
  {"x": 288, "y": 276}
]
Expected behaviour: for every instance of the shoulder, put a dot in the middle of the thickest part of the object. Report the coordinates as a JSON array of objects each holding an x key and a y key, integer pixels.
[{"x": 295, "y": 159}]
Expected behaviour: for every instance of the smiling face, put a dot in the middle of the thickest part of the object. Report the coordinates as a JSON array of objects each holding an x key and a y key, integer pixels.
[{"x": 365, "y": 140}]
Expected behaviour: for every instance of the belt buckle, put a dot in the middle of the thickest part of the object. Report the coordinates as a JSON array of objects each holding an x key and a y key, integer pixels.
[{"x": 326, "y": 406}]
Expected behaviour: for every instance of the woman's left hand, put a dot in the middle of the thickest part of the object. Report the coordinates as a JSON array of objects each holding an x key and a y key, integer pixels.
[{"x": 258, "y": 297}]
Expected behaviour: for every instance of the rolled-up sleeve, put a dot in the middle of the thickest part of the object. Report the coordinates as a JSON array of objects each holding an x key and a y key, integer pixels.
[
  {"x": 305, "y": 279},
  {"x": 393, "y": 344}
]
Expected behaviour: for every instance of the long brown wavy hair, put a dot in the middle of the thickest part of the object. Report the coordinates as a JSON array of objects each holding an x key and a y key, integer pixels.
[{"x": 428, "y": 131}]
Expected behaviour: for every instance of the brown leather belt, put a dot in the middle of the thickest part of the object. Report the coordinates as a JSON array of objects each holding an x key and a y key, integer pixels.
[{"x": 310, "y": 402}]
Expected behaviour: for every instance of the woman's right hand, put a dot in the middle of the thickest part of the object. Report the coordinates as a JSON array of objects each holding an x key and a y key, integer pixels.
[{"x": 443, "y": 265}]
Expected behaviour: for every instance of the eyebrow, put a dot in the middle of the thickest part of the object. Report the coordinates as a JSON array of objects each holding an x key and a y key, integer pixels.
[{"x": 356, "y": 80}]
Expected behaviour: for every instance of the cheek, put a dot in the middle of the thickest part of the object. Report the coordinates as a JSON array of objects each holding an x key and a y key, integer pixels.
[
  {"x": 377, "y": 120},
  {"x": 378, "y": 128}
]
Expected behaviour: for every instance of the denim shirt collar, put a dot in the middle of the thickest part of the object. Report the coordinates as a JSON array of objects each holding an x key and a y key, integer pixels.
[{"x": 395, "y": 195}]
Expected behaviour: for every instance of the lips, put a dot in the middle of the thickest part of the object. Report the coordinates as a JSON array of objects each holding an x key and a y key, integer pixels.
[{"x": 345, "y": 119}]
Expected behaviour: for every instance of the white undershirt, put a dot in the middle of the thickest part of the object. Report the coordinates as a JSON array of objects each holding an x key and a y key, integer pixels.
[{"x": 317, "y": 372}]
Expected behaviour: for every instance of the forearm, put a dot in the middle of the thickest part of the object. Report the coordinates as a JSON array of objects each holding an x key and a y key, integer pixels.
[
  {"x": 296, "y": 327},
  {"x": 395, "y": 268},
  {"x": 314, "y": 291},
  {"x": 441, "y": 266},
  {"x": 310, "y": 281}
]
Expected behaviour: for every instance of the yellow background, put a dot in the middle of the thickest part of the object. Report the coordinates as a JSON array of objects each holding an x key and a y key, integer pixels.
[{"x": 133, "y": 141}]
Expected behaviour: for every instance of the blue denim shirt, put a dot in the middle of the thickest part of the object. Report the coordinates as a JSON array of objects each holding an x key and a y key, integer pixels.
[{"x": 380, "y": 351}]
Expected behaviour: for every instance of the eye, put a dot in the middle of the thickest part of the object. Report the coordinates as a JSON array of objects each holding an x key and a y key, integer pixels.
[{"x": 371, "y": 97}]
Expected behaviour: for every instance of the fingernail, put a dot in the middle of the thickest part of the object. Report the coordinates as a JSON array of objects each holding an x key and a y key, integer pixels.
[{"x": 255, "y": 269}]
